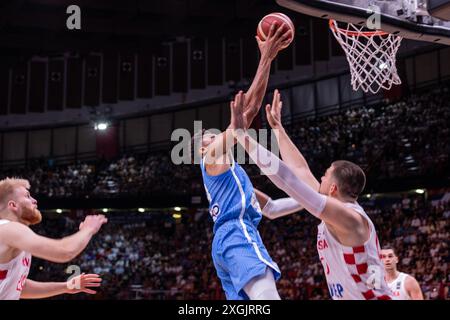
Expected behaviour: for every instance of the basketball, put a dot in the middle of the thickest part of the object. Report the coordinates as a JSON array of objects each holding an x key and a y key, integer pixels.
[{"x": 266, "y": 22}]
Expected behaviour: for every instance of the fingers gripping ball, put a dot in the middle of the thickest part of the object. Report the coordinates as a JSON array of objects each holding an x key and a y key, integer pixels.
[{"x": 281, "y": 19}]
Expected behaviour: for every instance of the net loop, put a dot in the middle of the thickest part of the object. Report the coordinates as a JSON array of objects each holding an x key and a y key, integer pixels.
[{"x": 371, "y": 56}]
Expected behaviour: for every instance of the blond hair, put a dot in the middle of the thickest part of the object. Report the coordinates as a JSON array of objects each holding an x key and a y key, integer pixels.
[{"x": 7, "y": 187}]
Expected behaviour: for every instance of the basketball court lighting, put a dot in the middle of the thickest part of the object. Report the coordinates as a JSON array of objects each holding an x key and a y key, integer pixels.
[
  {"x": 141, "y": 210},
  {"x": 420, "y": 191},
  {"x": 105, "y": 210},
  {"x": 101, "y": 126},
  {"x": 58, "y": 211},
  {"x": 178, "y": 209}
]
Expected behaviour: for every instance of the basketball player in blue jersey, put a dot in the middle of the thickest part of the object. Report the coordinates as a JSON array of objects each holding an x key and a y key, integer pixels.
[{"x": 243, "y": 264}]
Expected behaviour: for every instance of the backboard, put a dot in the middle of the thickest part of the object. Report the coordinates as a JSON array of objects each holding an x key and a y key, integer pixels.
[{"x": 410, "y": 19}]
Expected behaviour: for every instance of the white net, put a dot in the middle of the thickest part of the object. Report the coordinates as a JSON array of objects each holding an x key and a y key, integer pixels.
[{"x": 371, "y": 56}]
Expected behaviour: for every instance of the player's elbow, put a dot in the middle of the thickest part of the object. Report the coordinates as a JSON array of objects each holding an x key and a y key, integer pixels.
[
  {"x": 61, "y": 256},
  {"x": 69, "y": 255},
  {"x": 56, "y": 256},
  {"x": 66, "y": 257}
]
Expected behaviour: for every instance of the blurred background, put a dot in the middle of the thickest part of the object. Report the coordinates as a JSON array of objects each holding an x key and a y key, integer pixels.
[{"x": 87, "y": 116}]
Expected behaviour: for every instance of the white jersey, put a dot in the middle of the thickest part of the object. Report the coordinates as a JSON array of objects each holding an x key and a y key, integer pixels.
[
  {"x": 398, "y": 287},
  {"x": 14, "y": 274},
  {"x": 353, "y": 273}
]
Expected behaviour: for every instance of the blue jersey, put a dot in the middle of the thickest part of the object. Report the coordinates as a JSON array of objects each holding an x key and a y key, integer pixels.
[
  {"x": 238, "y": 252},
  {"x": 231, "y": 196}
]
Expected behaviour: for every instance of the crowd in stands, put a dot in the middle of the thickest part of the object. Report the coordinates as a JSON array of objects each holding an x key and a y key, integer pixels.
[
  {"x": 399, "y": 139},
  {"x": 154, "y": 256},
  {"x": 405, "y": 138}
]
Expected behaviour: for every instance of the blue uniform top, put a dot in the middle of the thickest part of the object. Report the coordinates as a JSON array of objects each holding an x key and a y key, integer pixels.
[{"x": 231, "y": 196}]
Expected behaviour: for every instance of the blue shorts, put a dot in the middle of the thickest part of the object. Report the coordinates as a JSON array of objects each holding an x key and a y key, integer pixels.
[{"x": 239, "y": 255}]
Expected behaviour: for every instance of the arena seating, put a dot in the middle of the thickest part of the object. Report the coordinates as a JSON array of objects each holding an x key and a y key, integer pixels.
[
  {"x": 164, "y": 258},
  {"x": 161, "y": 258},
  {"x": 402, "y": 139}
]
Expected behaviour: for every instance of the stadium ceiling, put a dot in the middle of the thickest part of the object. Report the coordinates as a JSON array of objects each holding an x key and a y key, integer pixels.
[{"x": 32, "y": 24}]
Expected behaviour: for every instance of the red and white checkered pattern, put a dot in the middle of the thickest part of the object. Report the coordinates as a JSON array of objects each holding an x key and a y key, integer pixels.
[
  {"x": 356, "y": 260},
  {"x": 3, "y": 274},
  {"x": 353, "y": 268}
]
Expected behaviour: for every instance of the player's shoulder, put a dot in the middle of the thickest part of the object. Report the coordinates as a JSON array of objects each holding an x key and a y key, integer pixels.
[
  {"x": 6, "y": 231},
  {"x": 8, "y": 223},
  {"x": 5, "y": 224},
  {"x": 409, "y": 277},
  {"x": 12, "y": 226},
  {"x": 354, "y": 206},
  {"x": 409, "y": 280},
  {"x": 4, "y": 221},
  {"x": 357, "y": 212},
  {"x": 216, "y": 169}
]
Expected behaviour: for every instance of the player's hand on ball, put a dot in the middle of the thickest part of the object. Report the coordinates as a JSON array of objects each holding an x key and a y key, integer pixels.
[
  {"x": 83, "y": 283},
  {"x": 273, "y": 112},
  {"x": 237, "y": 112},
  {"x": 276, "y": 41},
  {"x": 93, "y": 223}
]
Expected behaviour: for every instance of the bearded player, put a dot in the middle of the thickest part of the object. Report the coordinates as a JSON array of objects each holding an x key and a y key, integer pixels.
[{"x": 18, "y": 211}]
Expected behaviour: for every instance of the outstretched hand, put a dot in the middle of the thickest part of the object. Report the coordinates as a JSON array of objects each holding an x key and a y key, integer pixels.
[
  {"x": 273, "y": 112},
  {"x": 83, "y": 282},
  {"x": 93, "y": 223},
  {"x": 238, "y": 119},
  {"x": 276, "y": 40}
]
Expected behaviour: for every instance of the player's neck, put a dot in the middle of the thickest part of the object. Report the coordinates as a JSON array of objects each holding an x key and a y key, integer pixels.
[
  {"x": 9, "y": 216},
  {"x": 391, "y": 275},
  {"x": 345, "y": 199}
]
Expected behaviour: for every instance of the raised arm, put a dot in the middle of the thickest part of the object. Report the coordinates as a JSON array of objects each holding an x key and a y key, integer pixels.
[
  {"x": 290, "y": 154},
  {"x": 19, "y": 236},
  {"x": 269, "y": 49},
  {"x": 273, "y": 209},
  {"x": 253, "y": 98},
  {"x": 325, "y": 208}
]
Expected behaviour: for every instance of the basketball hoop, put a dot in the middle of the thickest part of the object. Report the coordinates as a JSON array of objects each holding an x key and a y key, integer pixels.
[{"x": 371, "y": 56}]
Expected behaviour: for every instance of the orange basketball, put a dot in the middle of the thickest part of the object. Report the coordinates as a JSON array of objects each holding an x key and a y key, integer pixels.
[{"x": 266, "y": 22}]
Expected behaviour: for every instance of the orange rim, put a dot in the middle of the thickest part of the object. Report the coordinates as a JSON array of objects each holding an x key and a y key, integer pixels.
[{"x": 355, "y": 33}]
